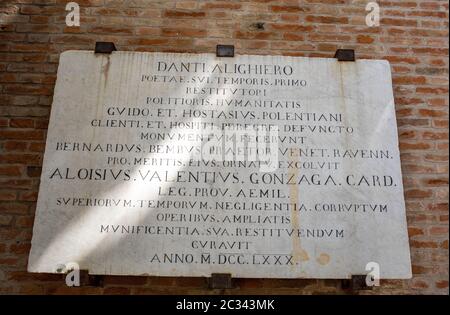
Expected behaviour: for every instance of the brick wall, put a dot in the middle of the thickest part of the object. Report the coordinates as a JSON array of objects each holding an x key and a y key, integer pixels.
[{"x": 413, "y": 36}]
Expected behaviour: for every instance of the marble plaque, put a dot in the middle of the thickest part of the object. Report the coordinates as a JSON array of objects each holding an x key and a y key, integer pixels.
[{"x": 188, "y": 164}]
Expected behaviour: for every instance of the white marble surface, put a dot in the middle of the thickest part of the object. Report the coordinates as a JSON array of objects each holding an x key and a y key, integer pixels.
[{"x": 122, "y": 193}]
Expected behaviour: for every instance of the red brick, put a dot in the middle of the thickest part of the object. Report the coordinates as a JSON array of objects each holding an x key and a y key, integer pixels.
[
  {"x": 327, "y": 19},
  {"x": 117, "y": 291},
  {"x": 424, "y": 244},
  {"x": 418, "y": 193},
  {"x": 398, "y": 22},
  {"x": 403, "y": 59},
  {"x": 20, "y": 248},
  {"x": 7, "y": 196},
  {"x": 221, "y": 5},
  {"x": 442, "y": 284},
  {"x": 439, "y": 230},
  {"x": 430, "y": 135},
  {"x": 285, "y": 8},
  {"x": 20, "y": 158},
  {"x": 436, "y": 157},
  {"x": 365, "y": 39},
  {"x": 22, "y": 134},
  {"x": 414, "y": 145},
  {"x": 292, "y": 27},
  {"x": 437, "y": 102},
  {"x": 419, "y": 284},
  {"x": 11, "y": 170},
  {"x": 409, "y": 80},
  {"x": 37, "y": 147},
  {"x": 432, "y": 113},
  {"x": 432, "y": 90},
  {"x": 184, "y": 14},
  {"x": 183, "y": 32},
  {"x": 21, "y": 123},
  {"x": 438, "y": 207},
  {"x": 435, "y": 182},
  {"x": 412, "y": 231},
  {"x": 111, "y": 30}
]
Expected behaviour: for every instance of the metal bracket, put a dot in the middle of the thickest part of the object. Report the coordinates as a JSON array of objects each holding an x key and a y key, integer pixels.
[
  {"x": 225, "y": 51},
  {"x": 357, "y": 282},
  {"x": 345, "y": 55},
  {"x": 220, "y": 281},
  {"x": 90, "y": 280},
  {"x": 104, "y": 47}
]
